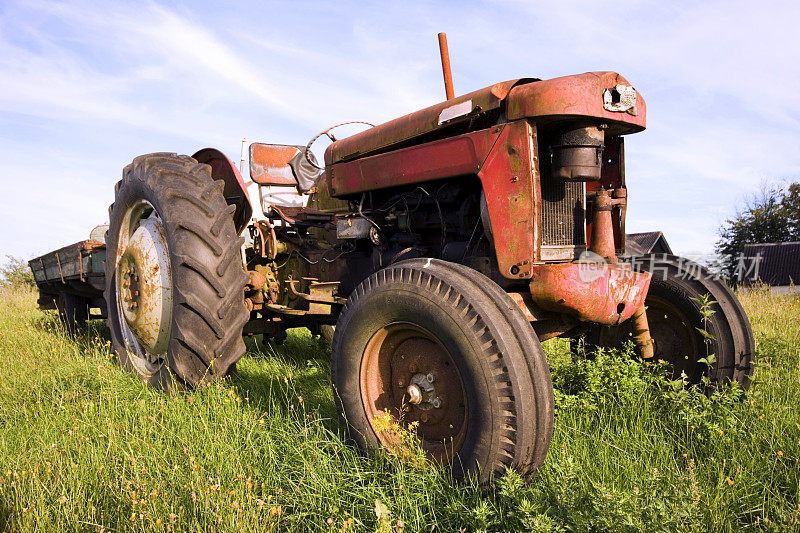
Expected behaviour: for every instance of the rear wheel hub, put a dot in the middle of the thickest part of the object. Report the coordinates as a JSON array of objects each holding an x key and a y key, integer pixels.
[{"x": 144, "y": 285}]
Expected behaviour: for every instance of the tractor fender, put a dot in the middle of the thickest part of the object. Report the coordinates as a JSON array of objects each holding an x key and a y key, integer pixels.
[{"x": 235, "y": 190}]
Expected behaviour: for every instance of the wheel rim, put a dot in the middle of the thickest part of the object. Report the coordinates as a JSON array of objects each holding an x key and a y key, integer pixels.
[
  {"x": 675, "y": 338},
  {"x": 143, "y": 285},
  {"x": 407, "y": 372}
]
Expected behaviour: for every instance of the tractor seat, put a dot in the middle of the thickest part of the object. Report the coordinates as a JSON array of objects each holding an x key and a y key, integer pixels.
[{"x": 283, "y": 165}]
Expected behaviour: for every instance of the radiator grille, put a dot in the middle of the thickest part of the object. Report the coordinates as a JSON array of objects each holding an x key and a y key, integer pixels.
[{"x": 563, "y": 213}]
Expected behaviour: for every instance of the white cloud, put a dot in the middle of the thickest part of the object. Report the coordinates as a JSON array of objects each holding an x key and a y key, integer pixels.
[{"x": 84, "y": 87}]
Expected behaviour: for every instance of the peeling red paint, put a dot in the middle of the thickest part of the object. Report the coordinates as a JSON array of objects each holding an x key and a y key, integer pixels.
[{"x": 599, "y": 292}]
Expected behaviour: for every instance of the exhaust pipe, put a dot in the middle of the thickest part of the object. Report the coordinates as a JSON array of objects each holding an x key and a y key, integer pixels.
[{"x": 448, "y": 77}]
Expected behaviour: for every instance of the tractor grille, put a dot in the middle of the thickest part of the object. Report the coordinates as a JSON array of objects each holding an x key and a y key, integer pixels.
[{"x": 563, "y": 218}]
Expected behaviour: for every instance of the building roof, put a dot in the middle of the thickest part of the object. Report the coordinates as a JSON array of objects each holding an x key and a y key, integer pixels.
[
  {"x": 646, "y": 243},
  {"x": 779, "y": 263}
]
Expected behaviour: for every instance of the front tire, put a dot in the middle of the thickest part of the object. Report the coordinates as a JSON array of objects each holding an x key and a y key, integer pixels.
[
  {"x": 428, "y": 344},
  {"x": 174, "y": 275},
  {"x": 675, "y": 317}
]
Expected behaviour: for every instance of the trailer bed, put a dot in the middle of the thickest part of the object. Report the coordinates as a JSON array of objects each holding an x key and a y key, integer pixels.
[{"x": 72, "y": 276}]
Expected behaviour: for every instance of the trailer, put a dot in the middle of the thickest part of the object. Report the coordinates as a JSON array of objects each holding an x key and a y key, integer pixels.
[{"x": 72, "y": 280}]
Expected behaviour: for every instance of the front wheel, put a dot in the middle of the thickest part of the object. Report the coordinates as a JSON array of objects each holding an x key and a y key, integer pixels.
[
  {"x": 438, "y": 347},
  {"x": 675, "y": 313}
]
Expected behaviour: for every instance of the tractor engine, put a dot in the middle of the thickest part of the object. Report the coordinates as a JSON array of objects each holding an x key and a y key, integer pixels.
[{"x": 522, "y": 181}]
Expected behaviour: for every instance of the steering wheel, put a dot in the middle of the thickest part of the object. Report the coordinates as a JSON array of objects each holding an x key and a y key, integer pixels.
[{"x": 330, "y": 135}]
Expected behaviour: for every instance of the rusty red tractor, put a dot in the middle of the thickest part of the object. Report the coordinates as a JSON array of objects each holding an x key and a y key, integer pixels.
[{"x": 444, "y": 246}]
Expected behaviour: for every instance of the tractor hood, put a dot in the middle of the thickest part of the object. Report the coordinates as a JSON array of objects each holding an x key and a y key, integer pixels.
[
  {"x": 400, "y": 130},
  {"x": 606, "y": 95}
]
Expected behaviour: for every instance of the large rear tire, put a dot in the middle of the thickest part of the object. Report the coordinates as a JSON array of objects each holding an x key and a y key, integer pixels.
[
  {"x": 675, "y": 317},
  {"x": 438, "y": 344},
  {"x": 174, "y": 275}
]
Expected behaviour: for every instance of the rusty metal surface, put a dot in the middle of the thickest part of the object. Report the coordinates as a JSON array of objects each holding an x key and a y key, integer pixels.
[
  {"x": 504, "y": 158},
  {"x": 91, "y": 246},
  {"x": 98, "y": 234},
  {"x": 612, "y": 178},
  {"x": 510, "y": 186},
  {"x": 406, "y": 371},
  {"x": 144, "y": 282},
  {"x": 577, "y": 95},
  {"x": 60, "y": 271},
  {"x": 612, "y": 175},
  {"x": 269, "y": 163},
  {"x": 320, "y": 297},
  {"x": 597, "y": 292},
  {"x": 421, "y": 122},
  {"x": 546, "y": 324},
  {"x": 602, "y": 228},
  {"x": 621, "y": 99},
  {"x": 577, "y": 153},
  {"x": 235, "y": 190},
  {"x": 265, "y": 242},
  {"x": 525, "y": 302},
  {"x": 460, "y": 155},
  {"x": 641, "y": 333},
  {"x": 74, "y": 262},
  {"x": 448, "y": 77}
]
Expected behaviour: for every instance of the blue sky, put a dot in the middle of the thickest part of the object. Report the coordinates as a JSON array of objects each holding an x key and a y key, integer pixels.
[{"x": 86, "y": 86}]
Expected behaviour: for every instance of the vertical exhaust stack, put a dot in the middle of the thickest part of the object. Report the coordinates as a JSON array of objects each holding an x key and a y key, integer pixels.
[{"x": 448, "y": 77}]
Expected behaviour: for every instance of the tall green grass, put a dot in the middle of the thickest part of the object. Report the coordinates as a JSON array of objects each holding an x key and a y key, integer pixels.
[{"x": 86, "y": 447}]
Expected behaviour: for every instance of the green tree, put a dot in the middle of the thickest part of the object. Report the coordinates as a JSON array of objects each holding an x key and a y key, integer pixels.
[
  {"x": 773, "y": 215},
  {"x": 791, "y": 209},
  {"x": 16, "y": 273}
]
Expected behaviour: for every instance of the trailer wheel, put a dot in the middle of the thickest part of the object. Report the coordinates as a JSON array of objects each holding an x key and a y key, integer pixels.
[
  {"x": 174, "y": 275},
  {"x": 323, "y": 331},
  {"x": 326, "y": 331},
  {"x": 73, "y": 311},
  {"x": 675, "y": 319},
  {"x": 429, "y": 345}
]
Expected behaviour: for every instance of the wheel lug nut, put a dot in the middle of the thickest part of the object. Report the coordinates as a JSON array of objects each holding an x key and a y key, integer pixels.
[
  {"x": 401, "y": 382},
  {"x": 430, "y": 378}
]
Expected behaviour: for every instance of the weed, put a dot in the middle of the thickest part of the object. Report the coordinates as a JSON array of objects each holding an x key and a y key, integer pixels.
[{"x": 84, "y": 446}]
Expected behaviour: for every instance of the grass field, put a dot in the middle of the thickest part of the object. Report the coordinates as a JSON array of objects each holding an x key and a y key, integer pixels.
[{"x": 86, "y": 447}]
